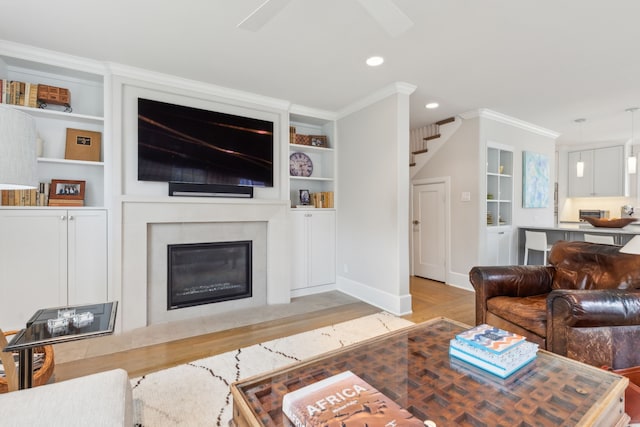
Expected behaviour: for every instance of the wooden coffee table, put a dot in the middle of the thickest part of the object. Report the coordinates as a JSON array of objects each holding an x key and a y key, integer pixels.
[{"x": 412, "y": 366}]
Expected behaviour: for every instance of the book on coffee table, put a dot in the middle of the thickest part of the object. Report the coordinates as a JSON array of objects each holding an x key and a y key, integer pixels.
[
  {"x": 490, "y": 338},
  {"x": 492, "y": 349},
  {"x": 344, "y": 400}
]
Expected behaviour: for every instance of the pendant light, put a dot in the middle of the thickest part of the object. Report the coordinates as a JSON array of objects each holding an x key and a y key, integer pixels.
[
  {"x": 632, "y": 161},
  {"x": 580, "y": 163}
]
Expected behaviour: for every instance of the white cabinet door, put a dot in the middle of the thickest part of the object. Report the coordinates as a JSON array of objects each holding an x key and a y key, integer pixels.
[
  {"x": 603, "y": 174},
  {"x": 608, "y": 171},
  {"x": 312, "y": 248},
  {"x": 50, "y": 258},
  {"x": 87, "y": 260},
  {"x": 322, "y": 248},
  {"x": 33, "y": 263},
  {"x": 498, "y": 247},
  {"x": 299, "y": 249}
]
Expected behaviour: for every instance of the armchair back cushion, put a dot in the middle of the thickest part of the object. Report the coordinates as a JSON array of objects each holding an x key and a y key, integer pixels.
[{"x": 586, "y": 266}]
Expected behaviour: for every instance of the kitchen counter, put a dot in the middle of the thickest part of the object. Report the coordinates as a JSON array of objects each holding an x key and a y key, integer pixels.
[{"x": 573, "y": 231}]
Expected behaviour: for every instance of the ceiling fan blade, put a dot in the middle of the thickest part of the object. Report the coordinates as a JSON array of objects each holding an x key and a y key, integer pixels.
[
  {"x": 263, "y": 14},
  {"x": 389, "y": 16}
]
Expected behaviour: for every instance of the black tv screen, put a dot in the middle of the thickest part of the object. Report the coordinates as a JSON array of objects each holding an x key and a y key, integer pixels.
[{"x": 191, "y": 145}]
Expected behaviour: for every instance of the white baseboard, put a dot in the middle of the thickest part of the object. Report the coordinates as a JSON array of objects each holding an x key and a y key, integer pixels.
[
  {"x": 459, "y": 280},
  {"x": 394, "y": 304},
  {"x": 313, "y": 290}
]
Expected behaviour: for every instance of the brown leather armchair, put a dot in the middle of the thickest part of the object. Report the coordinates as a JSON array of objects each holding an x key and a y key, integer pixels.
[{"x": 584, "y": 305}]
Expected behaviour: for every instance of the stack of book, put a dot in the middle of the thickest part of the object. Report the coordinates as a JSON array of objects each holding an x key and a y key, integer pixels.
[
  {"x": 492, "y": 349},
  {"x": 30, "y": 197},
  {"x": 323, "y": 199},
  {"x": 18, "y": 93}
]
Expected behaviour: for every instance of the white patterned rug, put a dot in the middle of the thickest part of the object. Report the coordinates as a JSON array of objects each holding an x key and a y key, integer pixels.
[{"x": 197, "y": 393}]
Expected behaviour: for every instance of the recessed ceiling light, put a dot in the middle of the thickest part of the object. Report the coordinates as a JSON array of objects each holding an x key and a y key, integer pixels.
[
  {"x": 432, "y": 105},
  {"x": 374, "y": 61}
]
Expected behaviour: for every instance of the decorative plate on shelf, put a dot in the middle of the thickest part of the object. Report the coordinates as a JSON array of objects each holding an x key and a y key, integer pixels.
[
  {"x": 609, "y": 223},
  {"x": 300, "y": 165}
]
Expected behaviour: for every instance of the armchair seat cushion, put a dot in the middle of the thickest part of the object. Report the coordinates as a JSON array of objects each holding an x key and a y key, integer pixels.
[{"x": 529, "y": 313}]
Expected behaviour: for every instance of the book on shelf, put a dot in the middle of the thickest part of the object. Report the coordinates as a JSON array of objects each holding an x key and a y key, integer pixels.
[
  {"x": 490, "y": 338},
  {"x": 65, "y": 202},
  {"x": 323, "y": 199},
  {"x": 344, "y": 400},
  {"x": 28, "y": 197}
]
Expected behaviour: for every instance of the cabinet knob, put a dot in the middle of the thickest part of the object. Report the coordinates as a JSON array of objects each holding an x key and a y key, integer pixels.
[
  {"x": 63, "y": 217},
  {"x": 71, "y": 217},
  {"x": 416, "y": 222}
]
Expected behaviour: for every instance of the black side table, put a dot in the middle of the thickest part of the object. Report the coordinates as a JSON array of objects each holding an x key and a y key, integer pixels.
[{"x": 37, "y": 333}]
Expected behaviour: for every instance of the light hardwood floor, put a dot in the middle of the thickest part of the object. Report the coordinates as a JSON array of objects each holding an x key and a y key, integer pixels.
[{"x": 430, "y": 299}]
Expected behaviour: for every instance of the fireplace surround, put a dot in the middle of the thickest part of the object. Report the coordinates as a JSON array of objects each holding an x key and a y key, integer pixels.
[{"x": 150, "y": 224}]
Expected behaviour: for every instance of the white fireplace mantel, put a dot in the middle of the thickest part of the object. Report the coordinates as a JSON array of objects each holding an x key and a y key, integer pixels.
[{"x": 139, "y": 213}]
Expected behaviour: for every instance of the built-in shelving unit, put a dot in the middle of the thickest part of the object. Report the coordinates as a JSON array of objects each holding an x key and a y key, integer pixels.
[
  {"x": 499, "y": 204},
  {"x": 322, "y": 178},
  {"x": 87, "y": 102},
  {"x": 499, "y": 186}
]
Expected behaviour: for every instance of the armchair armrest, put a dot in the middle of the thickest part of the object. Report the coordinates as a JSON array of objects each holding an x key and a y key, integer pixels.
[
  {"x": 514, "y": 281},
  {"x": 598, "y": 327},
  {"x": 594, "y": 308}
]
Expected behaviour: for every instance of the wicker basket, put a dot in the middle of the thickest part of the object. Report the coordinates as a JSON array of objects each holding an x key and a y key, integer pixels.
[{"x": 40, "y": 376}]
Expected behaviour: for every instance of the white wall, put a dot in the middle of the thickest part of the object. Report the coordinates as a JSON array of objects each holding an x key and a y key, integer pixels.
[{"x": 373, "y": 195}]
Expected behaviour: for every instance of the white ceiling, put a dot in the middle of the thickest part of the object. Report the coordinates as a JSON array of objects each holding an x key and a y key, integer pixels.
[{"x": 546, "y": 62}]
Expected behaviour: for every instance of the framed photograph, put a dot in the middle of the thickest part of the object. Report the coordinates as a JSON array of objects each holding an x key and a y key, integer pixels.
[
  {"x": 305, "y": 197},
  {"x": 319, "y": 141},
  {"x": 83, "y": 145},
  {"x": 65, "y": 189}
]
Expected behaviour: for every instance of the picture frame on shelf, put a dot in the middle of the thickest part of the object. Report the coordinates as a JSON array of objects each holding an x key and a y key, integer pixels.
[
  {"x": 83, "y": 145},
  {"x": 319, "y": 141},
  {"x": 305, "y": 197},
  {"x": 63, "y": 189}
]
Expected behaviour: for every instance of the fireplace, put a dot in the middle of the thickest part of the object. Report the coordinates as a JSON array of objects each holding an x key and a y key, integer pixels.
[{"x": 206, "y": 273}]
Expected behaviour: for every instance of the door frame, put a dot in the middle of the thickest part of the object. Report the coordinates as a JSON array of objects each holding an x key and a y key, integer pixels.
[{"x": 446, "y": 180}]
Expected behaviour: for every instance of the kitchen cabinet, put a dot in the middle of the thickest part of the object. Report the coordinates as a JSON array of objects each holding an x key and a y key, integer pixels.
[
  {"x": 603, "y": 174},
  {"x": 313, "y": 248},
  {"x": 50, "y": 257}
]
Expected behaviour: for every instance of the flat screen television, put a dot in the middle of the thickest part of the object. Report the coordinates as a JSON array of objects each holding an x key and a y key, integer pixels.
[{"x": 190, "y": 145}]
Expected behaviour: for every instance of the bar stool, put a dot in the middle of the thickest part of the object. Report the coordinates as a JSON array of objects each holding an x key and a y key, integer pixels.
[
  {"x": 535, "y": 241},
  {"x": 595, "y": 238}
]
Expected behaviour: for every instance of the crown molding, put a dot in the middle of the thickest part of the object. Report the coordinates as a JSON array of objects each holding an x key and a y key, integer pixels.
[
  {"x": 154, "y": 77},
  {"x": 393, "y": 89},
  {"x": 485, "y": 113},
  {"x": 301, "y": 110},
  {"x": 51, "y": 58}
]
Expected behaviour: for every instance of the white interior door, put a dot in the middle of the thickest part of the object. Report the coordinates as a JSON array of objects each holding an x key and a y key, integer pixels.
[{"x": 429, "y": 223}]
